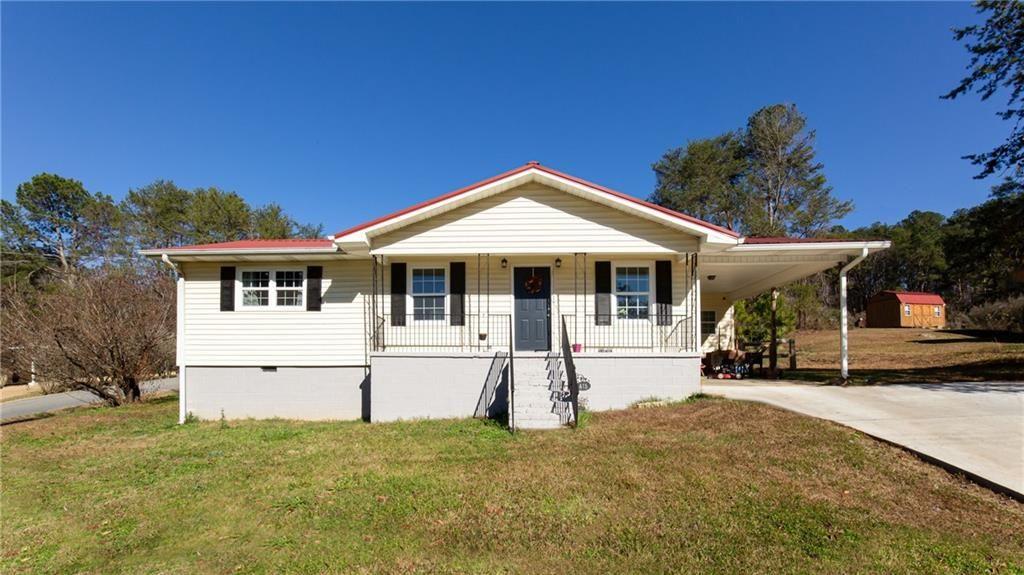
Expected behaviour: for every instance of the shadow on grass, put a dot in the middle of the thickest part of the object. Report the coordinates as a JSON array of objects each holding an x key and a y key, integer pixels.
[
  {"x": 998, "y": 370},
  {"x": 976, "y": 336}
]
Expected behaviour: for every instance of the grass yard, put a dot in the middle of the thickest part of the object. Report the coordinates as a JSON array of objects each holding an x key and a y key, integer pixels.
[
  {"x": 909, "y": 356},
  {"x": 708, "y": 485}
]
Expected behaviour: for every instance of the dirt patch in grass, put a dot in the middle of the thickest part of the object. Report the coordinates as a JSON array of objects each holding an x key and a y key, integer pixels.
[
  {"x": 710, "y": 485},
  {"x": 910, "y": 356},
  {"x": 12, "y": 392}
]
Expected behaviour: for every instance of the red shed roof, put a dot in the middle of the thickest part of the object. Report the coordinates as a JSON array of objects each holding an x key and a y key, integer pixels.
[{"x": 915, "y": 297}]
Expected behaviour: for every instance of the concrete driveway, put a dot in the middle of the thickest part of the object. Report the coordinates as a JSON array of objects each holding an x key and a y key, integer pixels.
[
  {"x": 974, "y": 427},
  {"x": 21, "y": 408}
]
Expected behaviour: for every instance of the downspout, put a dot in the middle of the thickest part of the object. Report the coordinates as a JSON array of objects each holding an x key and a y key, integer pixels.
[
  {"x": 844, "y": 367},
  {"x": 179, "y": 336}
]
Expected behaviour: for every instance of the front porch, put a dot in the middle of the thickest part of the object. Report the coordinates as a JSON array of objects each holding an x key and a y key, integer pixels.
[
  {"x": 603, "y": 304},
  {"x": 487, "y": 334}
]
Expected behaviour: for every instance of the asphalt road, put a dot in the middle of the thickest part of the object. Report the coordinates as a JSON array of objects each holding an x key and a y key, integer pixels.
[
  {"x": 976, "y": 427},
  {"x": 20, "y": 408}
]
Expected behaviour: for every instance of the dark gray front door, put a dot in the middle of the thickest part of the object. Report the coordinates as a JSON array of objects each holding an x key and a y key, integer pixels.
[{"x": 532, "y": 289}]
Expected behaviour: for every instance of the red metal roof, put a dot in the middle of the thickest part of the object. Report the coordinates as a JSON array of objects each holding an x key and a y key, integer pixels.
[
  {"x": 291, "y": 244},
  {"x": 538, "y": 166},
  {"x": 915, "y": 297}
]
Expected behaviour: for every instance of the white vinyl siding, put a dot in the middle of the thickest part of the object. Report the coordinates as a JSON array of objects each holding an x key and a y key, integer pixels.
[
  {"x": 563, "y": 299},
  {"x": 534, "y": 219},
  {"x": 282, "y": 336}
]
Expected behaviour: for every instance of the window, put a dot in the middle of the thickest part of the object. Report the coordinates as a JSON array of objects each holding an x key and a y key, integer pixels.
[
  {"x": 633, "y": 292},
  {"x": 938, "y": 311},
  {"x": 289, "y": 288},
  {"x": 906, "y": 309},
  {"x": 255, "y": 289},
  {"x": 428, "y": 293},
  {"x": 271, "y": 289},
  {"x": 708, "y": 323}
]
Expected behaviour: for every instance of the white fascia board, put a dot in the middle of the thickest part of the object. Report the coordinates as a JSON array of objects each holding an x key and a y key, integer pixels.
[
  {"x": 239, "y": 252},
  {"x": 706, "y": 234},
  {"x": 839, "y": 247},
  {"x": 363, "y": 236}
]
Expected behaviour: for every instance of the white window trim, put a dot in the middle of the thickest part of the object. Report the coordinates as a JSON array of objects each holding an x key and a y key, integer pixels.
[
  {"x": 410, "y": 303},
  {"x": 271, "y": 290},
  {"x": 937, "y": 310},
  {"x": 906, "y": 309},
  {"x": 651, "y": 283}
]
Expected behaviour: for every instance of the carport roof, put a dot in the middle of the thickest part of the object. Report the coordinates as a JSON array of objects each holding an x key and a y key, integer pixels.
[{"x": 756, "y": 266}]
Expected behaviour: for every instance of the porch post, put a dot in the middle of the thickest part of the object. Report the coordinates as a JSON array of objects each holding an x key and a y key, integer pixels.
[
  {"x": 698, "y": 344},
  {"x": 844, "y": 368},
  {"x": 180, "y": 340}
]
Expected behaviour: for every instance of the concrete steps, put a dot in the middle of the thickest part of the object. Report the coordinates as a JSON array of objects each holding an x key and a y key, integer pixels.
[{"x": 538, "y": 384}]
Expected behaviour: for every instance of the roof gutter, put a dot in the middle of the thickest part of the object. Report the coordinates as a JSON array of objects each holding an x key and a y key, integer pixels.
[
  {"x": 241, "y": 252},
  {"x": 797, "y": 246}
]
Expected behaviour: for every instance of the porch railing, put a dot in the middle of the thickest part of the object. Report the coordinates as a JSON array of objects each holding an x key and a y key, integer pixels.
[
  {"x": 570, "y": 376},
  {"x": 609, "y": 333},
  {"x": 414, "y": 333}
]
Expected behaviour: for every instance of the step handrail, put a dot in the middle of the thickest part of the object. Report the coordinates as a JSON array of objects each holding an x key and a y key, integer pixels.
[{"x": 570, "y": 375}]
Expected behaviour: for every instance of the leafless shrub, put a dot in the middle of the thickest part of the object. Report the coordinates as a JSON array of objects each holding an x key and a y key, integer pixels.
[
  {"x": 105, "y": 332},
  {"x": 1003, "y": 315}
]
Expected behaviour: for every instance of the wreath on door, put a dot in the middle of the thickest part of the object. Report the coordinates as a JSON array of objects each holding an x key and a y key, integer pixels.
[{"x": 533, "y": 284}]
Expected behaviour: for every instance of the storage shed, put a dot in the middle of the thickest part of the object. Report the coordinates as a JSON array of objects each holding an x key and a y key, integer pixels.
[{"x": 906, "y": 309}]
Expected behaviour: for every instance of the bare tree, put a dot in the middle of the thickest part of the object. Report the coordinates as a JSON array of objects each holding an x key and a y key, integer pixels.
[{"x": 106, "y": 333}]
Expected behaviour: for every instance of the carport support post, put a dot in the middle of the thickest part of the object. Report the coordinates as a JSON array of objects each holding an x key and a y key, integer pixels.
[
  {"x": 844, "y": 336},
  {"x": 773, "y": 347}
]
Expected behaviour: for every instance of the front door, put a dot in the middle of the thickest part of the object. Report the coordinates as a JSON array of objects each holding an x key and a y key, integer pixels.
[{"x": 532, "y": 289}]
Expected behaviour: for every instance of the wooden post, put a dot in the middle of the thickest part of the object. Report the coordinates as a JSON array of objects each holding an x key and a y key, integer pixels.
[
  {"x": 773, "y": 347},
  {"x": 792, "y": 354}
]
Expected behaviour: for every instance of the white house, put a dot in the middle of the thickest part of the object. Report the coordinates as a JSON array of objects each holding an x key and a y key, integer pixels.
[{"x": 476, "y": 302}]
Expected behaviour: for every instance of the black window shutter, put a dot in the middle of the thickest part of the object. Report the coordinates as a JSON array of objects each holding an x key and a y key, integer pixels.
[
  {"x": 398, "y": 294},
  {"x": 663, "y": 291},
  {"x": 314, "y": 279},
  {"x": 603, "y": 293},
  {"x": 458, "y": 293},
  {"x": 227, "y": 288}
]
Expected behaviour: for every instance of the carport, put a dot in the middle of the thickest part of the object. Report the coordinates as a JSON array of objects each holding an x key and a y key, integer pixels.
[{"x": 762, "y": 264}]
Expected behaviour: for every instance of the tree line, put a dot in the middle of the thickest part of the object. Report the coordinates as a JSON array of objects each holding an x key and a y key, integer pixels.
[
  {"x": 764, "y": 180},
  {"x": 56, "y": 228},
  {"x": 80, "y": 307}
]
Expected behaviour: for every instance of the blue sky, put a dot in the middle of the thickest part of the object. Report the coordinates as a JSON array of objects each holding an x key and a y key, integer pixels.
[{"x": 342, "y": 112}]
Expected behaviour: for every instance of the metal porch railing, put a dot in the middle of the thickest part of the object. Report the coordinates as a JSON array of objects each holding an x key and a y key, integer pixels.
[
  {"x": 414, "y": 333},
  {"x": 655, "y": 334}
]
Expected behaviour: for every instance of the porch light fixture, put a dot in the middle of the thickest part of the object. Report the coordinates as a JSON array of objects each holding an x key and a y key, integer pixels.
[
  {"x": 504, "y": 263},
  {"x": 712, "y": 277},
  {"x": 558, "y": 262}
]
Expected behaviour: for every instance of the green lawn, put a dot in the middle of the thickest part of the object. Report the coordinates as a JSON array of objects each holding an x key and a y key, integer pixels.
[{"x": 709, "y": 485}]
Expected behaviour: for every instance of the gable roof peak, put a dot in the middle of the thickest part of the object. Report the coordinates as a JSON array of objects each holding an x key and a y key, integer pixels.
[{"x": 721, "y": 233}]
